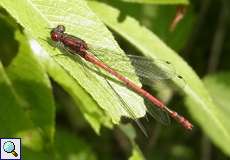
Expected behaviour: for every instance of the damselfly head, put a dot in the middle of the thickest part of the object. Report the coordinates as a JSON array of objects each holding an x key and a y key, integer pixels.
[
  {"x": 55, "y": 36},
  {"x": 56, "y": 33}
]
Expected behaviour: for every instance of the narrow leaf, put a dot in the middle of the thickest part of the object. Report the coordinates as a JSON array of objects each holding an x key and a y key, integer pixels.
[{"x": 218, "y": 86}]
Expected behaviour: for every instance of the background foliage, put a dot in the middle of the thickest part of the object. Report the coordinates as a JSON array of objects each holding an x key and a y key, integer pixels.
[{"x": 61, "y": 112}]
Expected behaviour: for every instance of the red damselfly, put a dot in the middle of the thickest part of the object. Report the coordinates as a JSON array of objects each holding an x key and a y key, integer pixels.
[{"x": 77, "y": 46}]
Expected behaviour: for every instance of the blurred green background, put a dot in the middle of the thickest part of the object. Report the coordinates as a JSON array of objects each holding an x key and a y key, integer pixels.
[{"x": 40, "y": 102}]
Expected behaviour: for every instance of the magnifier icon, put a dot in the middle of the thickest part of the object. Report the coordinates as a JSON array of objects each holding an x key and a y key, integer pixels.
[{"x": 9, "y": 147}]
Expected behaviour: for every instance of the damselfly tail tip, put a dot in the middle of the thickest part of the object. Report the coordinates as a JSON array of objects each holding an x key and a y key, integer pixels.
[
  {"x": 180, "y": 119},
  {"x": 184, "y": 122},
  {"x": 188, "y": 125}
]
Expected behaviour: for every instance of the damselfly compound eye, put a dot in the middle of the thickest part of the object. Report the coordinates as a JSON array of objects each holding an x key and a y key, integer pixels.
[{"x": 55, "y": 36}]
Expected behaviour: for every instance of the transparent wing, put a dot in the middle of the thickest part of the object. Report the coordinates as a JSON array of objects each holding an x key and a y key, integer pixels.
[
  {"x": 128, "y": 110},
  {"x": 148, "y": 67},
  {"x": 157, "y": 113},
  {"x": 149, "y": 70}
]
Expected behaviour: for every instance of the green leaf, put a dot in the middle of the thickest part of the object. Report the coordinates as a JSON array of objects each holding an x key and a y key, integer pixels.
[
  {"x": 71, "y": 147},
  {"x": 158, "y": 1},
  {"x": 198, "y": 100},
  {"x": 136, "y": 153},
  {"x": 11, "y": 104},
  {"x": 218, "y": 86},
  {"x": 90, "y": 109},
  {"x": 36, "y": 16},
  {"x": 32, "y": 84},
  {"x": 129, "y": 131},
  {"x": 15, "y": 120}
]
